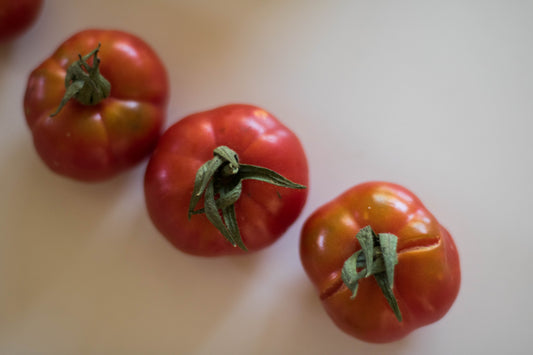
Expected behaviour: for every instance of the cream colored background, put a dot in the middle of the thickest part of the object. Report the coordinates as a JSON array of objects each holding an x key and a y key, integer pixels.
[{"x": 434, "y": 95}]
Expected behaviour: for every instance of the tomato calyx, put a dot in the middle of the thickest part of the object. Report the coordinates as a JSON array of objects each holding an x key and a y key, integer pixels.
[
  {"x": 84, "y": 82},
  {"x": 377, "y": 257},
  {"x": 219, "y": 180}
]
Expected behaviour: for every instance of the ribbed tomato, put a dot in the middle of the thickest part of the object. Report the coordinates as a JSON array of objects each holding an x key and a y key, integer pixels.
[
  {"x": 226, "y": 180},
  {"x": 415, "y": 265},
  {"x": 97, "y": 104}
]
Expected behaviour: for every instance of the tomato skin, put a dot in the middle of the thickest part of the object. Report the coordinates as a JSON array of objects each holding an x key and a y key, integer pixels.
[
  {"x": 96, "y": 142},
  {"x": 16, "y": 16},
  {"x": 427, "y": 276},
  {"x": 264, "y": 212}
]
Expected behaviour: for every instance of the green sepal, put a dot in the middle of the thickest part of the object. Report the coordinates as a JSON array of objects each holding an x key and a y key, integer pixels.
[
  {"x": 84, "y": 82},
  {"x": 349, "y": 274},
  {"x": 266, "y": 175},
  {"x": 70, "y": 92},
  {"x": 226, "y": 198},
  {"x": 222, "y": 156},
  {"x": 203, "y": 177},
  {"x": 211, "y": 212},
  {"x": 229, "y": 157},
  {"x": 388, "y": 244},
  {"x": 366, "y": 240},
  {"x": 377, "y": 257},
  {"x": 230, "y": 218},
  {"x": 383, "y": 283},
  {"x": 229, "y": 230},
  {"x": 219, "y": 181}
]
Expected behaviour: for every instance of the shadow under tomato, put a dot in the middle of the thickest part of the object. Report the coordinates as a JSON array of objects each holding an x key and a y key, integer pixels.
[
  {"x": 85, "y": 262},
  {"x": 5, "y": 50},
  {"x": 47, "y": 221},
  {"x": 303, "y": 320},
  {"x": 174, "y": 300},
  {"x": 204, "y": 293},
  {"x": 6, "y": 53}
]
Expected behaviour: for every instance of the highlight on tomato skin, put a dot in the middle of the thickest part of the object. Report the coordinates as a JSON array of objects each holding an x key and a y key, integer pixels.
[
  {"x": 230, "y": 180},
  {"x": 426, "y": 276},
  {"x": 97, "y": 104}
]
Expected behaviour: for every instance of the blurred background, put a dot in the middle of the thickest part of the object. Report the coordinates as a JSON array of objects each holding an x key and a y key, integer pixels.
[{"x": 433, "y": 95}]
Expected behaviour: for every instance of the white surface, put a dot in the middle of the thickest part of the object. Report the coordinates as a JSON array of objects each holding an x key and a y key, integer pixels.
[{"x": 434, "y": 95}]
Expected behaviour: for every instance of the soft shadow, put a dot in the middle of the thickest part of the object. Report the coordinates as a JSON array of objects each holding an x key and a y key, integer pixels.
[
  {"x": 179, "y": 300},
  {"x": 301, "y": 325},
  {"x": 47, "y": 222},
  {"x": 5, "y": 52}
]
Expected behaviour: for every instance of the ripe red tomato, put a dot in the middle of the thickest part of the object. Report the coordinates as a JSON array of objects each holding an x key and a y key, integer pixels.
[
  {"x": 263, "y": 212},
  {"x": 16, "y": 16},
  {"x": 426, "y": 278},
  {"x": 101, "y": 131}
]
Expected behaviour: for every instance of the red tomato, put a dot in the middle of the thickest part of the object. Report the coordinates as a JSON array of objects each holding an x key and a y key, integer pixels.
[
  {"x": 426, "y": 277},
  {"x": 97, "y": 139},
  {"x": 263, "y": 211},
  {"x": 16, "y": 16}
]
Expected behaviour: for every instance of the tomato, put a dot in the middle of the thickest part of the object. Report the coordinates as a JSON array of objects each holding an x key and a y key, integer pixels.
[
  {"x": 229, "y": 142},
  {"x": 16, "y": 16},
  {"x": 118, "y": 91},
  {"x": 424, "y": 283}
]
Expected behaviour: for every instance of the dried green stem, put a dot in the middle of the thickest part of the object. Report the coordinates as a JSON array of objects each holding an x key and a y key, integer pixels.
[
  {"x": 377, "y": 257},
  {"x": 84, "y": 82},
  {"x": 219, "y": 181}
]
